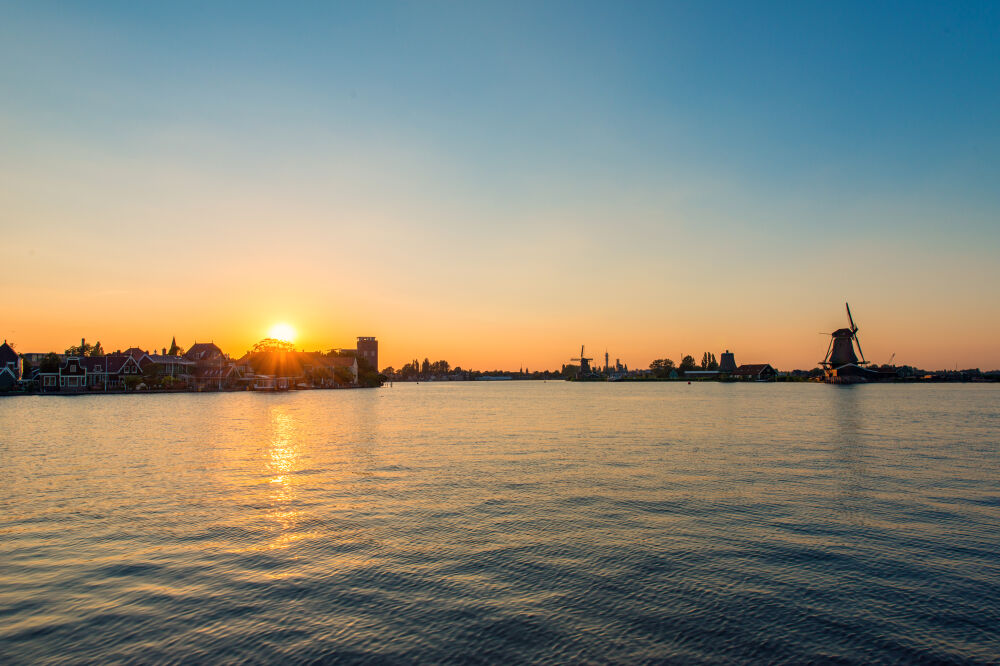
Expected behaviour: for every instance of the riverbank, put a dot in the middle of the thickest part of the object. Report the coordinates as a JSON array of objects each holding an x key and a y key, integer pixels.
[{"x": 65, "y": 393}]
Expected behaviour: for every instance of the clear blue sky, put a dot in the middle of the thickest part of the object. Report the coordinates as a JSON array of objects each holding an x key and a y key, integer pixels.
[{"x": 618, "y": 151}]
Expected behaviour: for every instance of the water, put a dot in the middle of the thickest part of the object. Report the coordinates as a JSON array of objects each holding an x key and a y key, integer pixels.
[{"x": 504, "y": 522}]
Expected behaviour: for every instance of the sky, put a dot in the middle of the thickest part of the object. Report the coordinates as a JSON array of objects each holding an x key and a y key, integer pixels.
[{"x": 495, "y": 184}]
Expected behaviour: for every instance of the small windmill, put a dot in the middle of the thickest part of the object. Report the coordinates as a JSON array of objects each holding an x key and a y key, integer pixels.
[
  {"x": 841, "y": 349},
  {"x": 584, "y": 363}
]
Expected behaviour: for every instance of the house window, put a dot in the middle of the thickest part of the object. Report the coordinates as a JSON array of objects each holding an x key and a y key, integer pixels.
[
  {"x": 50, "y": 380},
  {"x": 97, "y": 368}
]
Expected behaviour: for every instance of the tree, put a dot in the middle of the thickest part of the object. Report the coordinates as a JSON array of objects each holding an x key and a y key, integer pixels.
[
  {"x": 687, "y": 363},
  {"x": 410, "y": 370},
  {"x": 425, "y": 369},
  {"x": 369, "y": 377},
  {"x": 50, "y": 363},
  {"x": 708, "y": 361},
  {"x": 152, "y": 374},
  {"x": 174, "y": 349},
  {"x": 83, "y": 350},
  {"x": 661, "y": 367},
  {"x": 320, "y": 376},
  {"x": 97, "y": 350},
  {"x": 272, "y": 345},
  {"x": 343, "y": 375}
]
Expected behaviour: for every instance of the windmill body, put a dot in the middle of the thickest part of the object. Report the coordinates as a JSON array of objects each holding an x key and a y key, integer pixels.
[
  {"x": 842, "y": 351},
  {"x": 584, "y": 363}
]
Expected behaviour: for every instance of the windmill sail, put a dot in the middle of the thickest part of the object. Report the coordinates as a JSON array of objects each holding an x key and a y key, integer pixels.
[{"x": 854, "y": 332}]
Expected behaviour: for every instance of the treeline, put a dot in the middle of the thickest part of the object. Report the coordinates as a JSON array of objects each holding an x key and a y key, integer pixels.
[
  {"x": 85, "y": 349},
  {"x": 662, "y": 367},
  {"x": 416, "y": 371}
]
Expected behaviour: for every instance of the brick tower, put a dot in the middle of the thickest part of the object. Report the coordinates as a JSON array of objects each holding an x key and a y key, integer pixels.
[{"x": 368, "y": 350}]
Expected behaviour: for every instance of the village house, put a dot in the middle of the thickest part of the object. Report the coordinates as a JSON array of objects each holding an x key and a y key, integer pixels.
[
  {"x": 10, "y": 367},
  {"x": 177, "y": 367},
  {"x": 108, "y": 372},
  {"x": 73, "y": 374},
  {"x": 212, "y": 368},
  {"x": 173, "y": 366},
  {"x": 203, "y": 367},
  {"x": 223, "y": 376},
  {"x": 761, "y": 372},
  {"x": 321, "y": 369},
  {"x": 35, "y": 358},
  {"x": 80, "y": 373},
  {"x": 349, "y": 363},
  {"x": 204, "y": 351}
]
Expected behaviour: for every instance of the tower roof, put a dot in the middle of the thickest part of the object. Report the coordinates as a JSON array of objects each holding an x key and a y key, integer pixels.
[{"x": 7, "y": 353}]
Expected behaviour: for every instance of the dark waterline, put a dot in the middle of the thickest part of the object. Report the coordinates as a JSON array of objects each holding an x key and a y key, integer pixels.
[{"x": 504, "y": 522}]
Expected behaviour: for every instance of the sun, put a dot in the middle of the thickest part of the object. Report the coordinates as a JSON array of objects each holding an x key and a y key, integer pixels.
[{"x": 282, "y": 331}]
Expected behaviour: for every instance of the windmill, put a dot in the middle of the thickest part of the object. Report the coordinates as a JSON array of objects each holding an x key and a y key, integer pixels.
[
  {"x": 841, "y": 349},
  {"x": 584, "y": 363}
]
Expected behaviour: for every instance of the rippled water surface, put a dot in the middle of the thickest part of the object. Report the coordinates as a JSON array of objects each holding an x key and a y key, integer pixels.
[{"x": 504, "y": 522}]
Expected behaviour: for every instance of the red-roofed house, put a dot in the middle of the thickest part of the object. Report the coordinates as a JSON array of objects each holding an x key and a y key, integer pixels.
[
  {"x": 203, "y": 351},
  {"x": 761, "y": 372}
]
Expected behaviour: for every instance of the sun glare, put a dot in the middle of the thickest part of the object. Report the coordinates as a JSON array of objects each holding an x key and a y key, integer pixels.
[{"x": 283, "y": 332}]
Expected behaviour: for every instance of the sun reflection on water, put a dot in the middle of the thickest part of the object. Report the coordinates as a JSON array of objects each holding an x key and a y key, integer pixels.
[
  {"x": 281, "y": 460},
  {"x": 281, "y": 450}
]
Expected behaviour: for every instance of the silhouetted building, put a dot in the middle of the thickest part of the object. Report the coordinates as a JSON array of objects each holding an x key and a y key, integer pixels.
[
  {"x": 368, "y": 351},
  {"x": 761, "y": 372},
  {"x": 10, "y": 367},
  {"x": 728, "y": 363},
  {"x": 203, "y": 351}
]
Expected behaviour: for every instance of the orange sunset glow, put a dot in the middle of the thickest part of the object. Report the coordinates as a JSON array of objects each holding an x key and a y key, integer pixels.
[
  {"x": 495, "y": 233},
  {"x": 500, "y": 332}
]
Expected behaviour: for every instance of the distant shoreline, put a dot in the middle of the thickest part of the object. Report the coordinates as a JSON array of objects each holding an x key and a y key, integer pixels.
[{"x": 74, "y": 394}]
